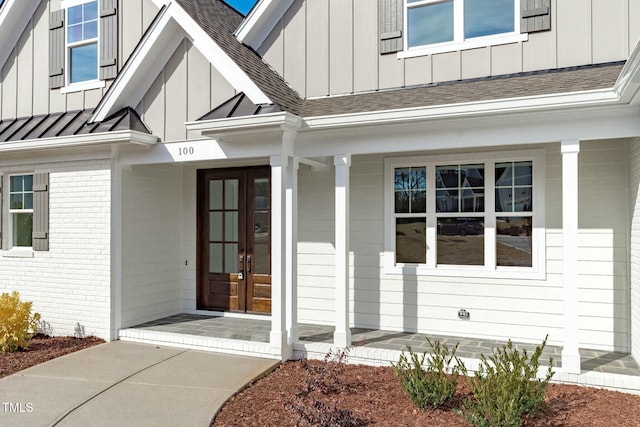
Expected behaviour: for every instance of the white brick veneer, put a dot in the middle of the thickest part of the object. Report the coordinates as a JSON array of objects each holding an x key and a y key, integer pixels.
[{"x": 69, "y": 284}]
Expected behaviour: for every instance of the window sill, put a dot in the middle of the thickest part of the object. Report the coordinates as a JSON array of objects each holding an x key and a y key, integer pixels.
[
  {"x": 18, "y": 253},
  {"x": 523, "y": 273},
  {"x": 467, "y": 44},
  {"x": 77, "y": 87}
]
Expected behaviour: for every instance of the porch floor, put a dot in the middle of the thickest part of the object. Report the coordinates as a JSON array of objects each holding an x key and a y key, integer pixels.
[{"x": 258, "y": 331}]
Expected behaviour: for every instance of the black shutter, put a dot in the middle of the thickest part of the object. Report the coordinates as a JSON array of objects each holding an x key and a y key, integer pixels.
[
  {"x": 108, "y": 39},
  {"x": 535, "y": 15},
  {"x": 391, "y": 22},
  {"x": 56, "y": 49},
  {"x": 41, "y": 212}
]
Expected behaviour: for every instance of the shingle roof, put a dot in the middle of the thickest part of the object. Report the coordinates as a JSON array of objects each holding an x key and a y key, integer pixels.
[
  {"x": 68, "y": 124},
  {"x": 219, "y": 21},
  {"x": 486, "y": 89}
]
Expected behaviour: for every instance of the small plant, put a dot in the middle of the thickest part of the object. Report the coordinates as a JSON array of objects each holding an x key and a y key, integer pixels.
[
  {"x": 78, "y": 331},
  {"x": 17, "y": 323},
  {"x": 44, "y": 328},
  {"x": 433, "y": 385},
  {"x": 505, "y": 387},
  {"x": 323, "y": 382}
]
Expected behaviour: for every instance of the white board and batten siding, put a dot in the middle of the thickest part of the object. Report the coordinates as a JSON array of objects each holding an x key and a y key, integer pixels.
[
  {"x": 187, "y": 88},
  {"x": 70, "y": 284},
  {"x": 342, "y": 56},
  {"x": 520, "y": 309},
  {"x": 24, "y": 78}
]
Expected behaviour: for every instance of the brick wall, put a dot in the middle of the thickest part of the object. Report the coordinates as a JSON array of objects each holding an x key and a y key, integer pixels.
[{"x": 70, "y": 284}]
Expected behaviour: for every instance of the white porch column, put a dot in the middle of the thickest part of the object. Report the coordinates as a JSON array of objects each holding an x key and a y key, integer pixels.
[
  {"x": 570, "y": 354},
  {"x": 278, "y": 337},
  {"x": 291, "y": 276},
  {"x": 116, "y": 243},
  {"x": 342, "y": 334}
]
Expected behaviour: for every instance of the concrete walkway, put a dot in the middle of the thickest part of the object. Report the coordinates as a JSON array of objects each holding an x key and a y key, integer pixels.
[{"x": 126, "y": 384}]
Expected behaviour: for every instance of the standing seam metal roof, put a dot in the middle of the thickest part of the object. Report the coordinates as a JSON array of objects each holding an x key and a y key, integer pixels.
[{"x": 68, "y": 124}]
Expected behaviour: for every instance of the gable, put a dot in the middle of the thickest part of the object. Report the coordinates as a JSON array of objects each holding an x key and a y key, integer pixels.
[
  {"x": 208, "y": 26},
  {"x": 186, "y": 88}
]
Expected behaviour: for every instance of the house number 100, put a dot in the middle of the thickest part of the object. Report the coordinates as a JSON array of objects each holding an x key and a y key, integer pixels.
[{"x": 183, "y": 151}]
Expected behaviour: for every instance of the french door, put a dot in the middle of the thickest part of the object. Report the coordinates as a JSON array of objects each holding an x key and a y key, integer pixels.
[{"x": 234, "y": 240}]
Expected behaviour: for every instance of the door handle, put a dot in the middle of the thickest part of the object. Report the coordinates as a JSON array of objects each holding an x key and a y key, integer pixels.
[
  {"x": 241, "y": 272},
  {"x": 248, "y": 263}
]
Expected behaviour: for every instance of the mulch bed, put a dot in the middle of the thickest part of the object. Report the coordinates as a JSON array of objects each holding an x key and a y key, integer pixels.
[
  {"x": 42, "y": 348},
  {"x": 374, "y": 397}
]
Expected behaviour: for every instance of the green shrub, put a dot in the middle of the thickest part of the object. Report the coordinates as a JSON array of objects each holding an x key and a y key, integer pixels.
[
  {"x": 433, "y": 385},
  {"x": 505, "y": 387},
  {"x": 17, "y": 324}
]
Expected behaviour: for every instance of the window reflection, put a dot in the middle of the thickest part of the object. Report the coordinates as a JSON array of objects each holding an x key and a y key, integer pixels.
[
  {"x": 513, "y": 241},
  {"x": 460, "y": 241},
  {"x": 411, "y": 240}
]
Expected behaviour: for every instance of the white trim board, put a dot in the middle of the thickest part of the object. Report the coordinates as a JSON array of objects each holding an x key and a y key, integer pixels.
[
  {"x": 261, "y": 21},
  {"x": 14, "y": 17},
  {"x": 151, "y": 55}
]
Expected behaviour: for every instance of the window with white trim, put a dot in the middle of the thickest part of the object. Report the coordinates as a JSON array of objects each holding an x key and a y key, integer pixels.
[
  {"x": 433, "y": 23},
  {"x": 24, "y": 211},
  {"x": 21, "y": 210},
  {"x": 82, "y": 42},
  {"x": 477, "y": 216}
]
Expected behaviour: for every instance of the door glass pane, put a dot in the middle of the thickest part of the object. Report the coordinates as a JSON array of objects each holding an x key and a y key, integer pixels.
[
  {"x": 215, "y": 257},
  {"x": 231, "y": 194},
  {"x": 461, "y": 241},
  {"x": 261, "y": 259},
  {"x": 231, "y": 226},
  {"x": 513, "y": 241},
  {"x": 261, "y": 193},
  {"x": 215, "y": 194},
  {"x": 231, "y": 258},
  {"x": 261, "y": 226},
  {"x": 215, "y": 226},
  {"x": 411, "y": 240}
]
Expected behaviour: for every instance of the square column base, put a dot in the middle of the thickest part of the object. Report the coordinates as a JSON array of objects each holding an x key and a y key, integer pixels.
[
  {"x": 571, "y": 361},
  {"x": 280, "y": 346},
  {"x": 342, "y": 339}
]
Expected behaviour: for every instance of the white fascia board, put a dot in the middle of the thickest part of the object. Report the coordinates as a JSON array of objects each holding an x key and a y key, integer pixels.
[
  {"x": 628, "y": 84},
  {"x": 217, "y": 57},
  {"x": 530, "y": 103},
  {"x": 14, "y": 16},
  {"x": 143, "y": 66},
  {"x": 242, "y": 124},
  {"x": 261, "y": 21},
  {"x": 88, "y": 140}
]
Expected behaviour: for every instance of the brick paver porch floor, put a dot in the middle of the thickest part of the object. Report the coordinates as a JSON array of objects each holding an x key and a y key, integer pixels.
[{"x": 258, "y": 330}]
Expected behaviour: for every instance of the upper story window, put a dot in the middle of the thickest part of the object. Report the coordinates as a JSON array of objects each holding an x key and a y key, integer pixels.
[
  {"x": 82, "y": 42},
  {"x": 424, "y": 27},
  {"x": 433, "y": 22}
]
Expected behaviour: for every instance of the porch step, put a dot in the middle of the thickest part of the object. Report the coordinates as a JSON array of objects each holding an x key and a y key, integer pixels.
[{"x": 195, "y": 342}]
